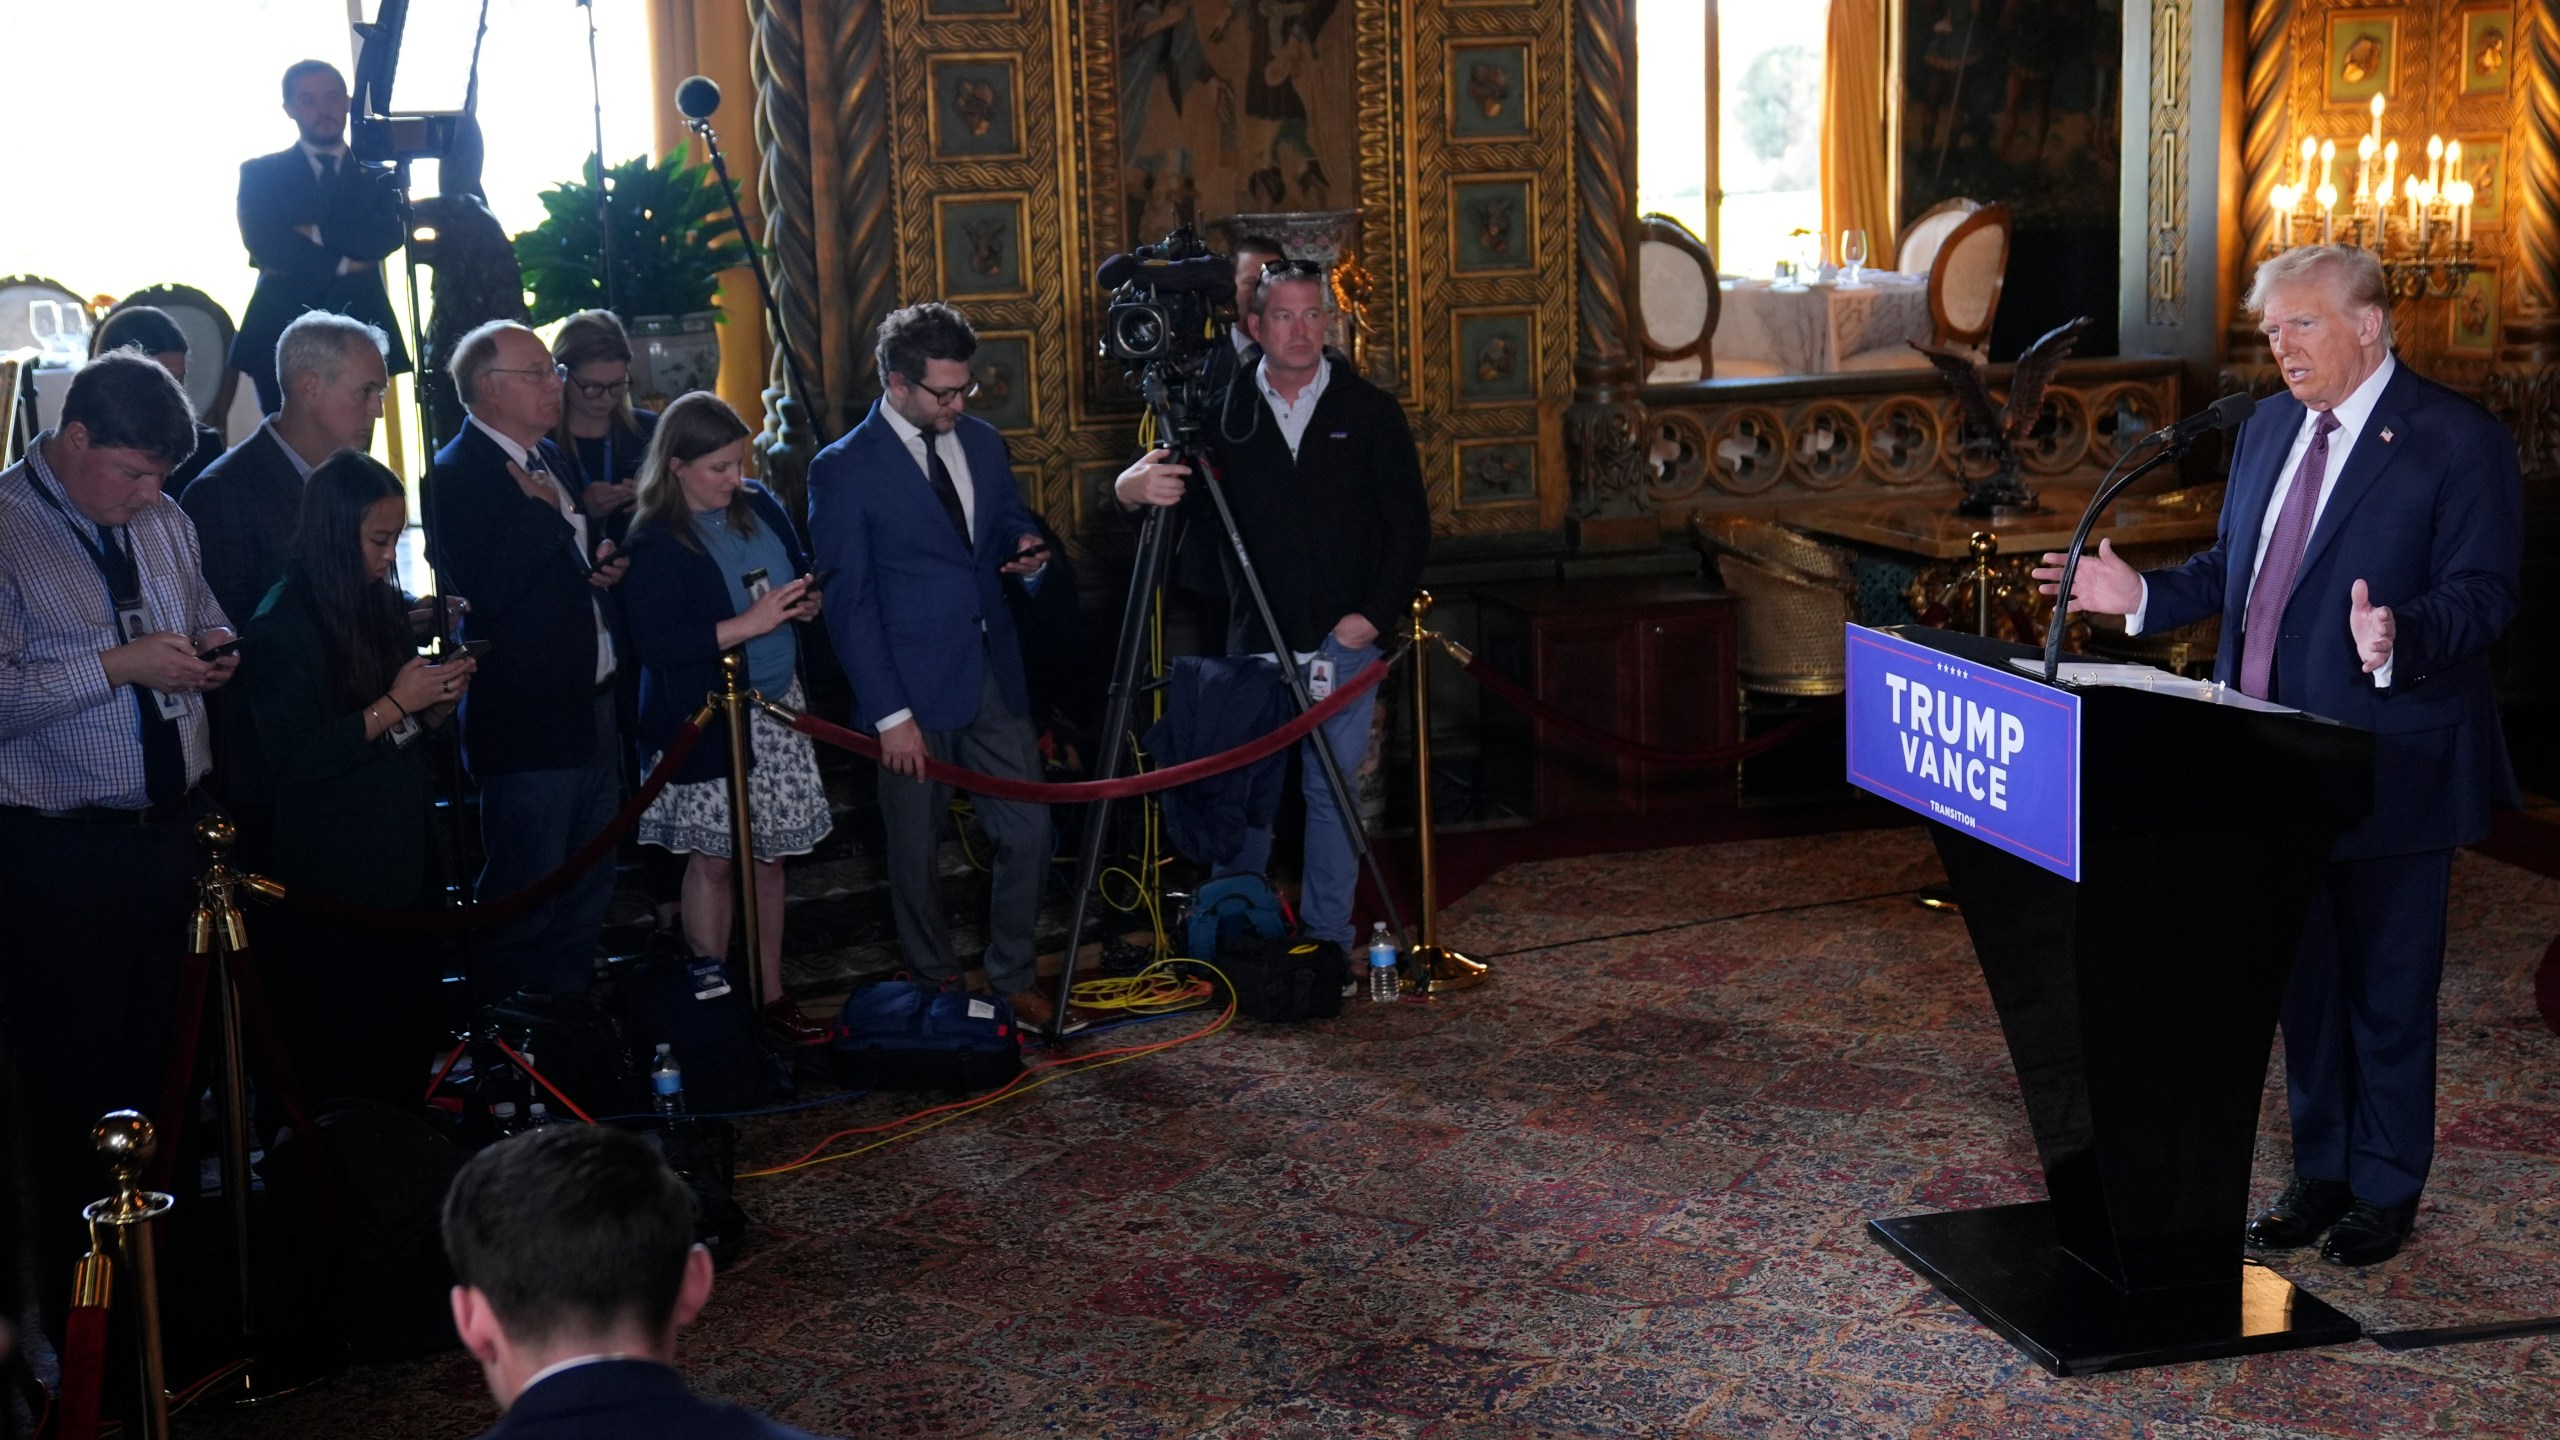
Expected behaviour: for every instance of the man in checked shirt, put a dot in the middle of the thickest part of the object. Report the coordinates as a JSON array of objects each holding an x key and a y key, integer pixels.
[{"x": 104, "y": 618}]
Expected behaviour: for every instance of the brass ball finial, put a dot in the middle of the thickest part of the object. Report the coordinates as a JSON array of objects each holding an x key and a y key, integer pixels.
[
  {"x": 1421, "y": 603},
  {"x": 215, "y": 833},
  {"x": 1984, "y": 545},
  {"x": 125, "y": 1143}
]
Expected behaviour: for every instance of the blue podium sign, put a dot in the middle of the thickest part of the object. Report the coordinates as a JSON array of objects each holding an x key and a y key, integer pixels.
[{"x": 1995, "y": 755}]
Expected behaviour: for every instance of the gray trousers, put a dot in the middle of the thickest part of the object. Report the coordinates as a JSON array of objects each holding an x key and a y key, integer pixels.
[{"x": 995, "y": 742}]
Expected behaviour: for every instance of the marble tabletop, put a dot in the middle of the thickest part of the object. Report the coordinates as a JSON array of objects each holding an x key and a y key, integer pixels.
[
  {"x": 1928, "y": 525},
  {"x": 1811, "y": 329}
]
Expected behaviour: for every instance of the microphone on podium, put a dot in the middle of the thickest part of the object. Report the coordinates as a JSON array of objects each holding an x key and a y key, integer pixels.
[
  {"x": 2222, "y": 414},
  {"x": 698, "y": 98}
]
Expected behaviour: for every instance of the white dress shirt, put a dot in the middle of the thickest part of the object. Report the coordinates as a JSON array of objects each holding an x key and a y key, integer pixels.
[
  {"x": 578, "y": 539},
  {"x": 293, "y": 457},
  {"x": 2352, "y": 414},
  {"x": 1293, "y": 415},
  {"x": 956, "y": 460}
]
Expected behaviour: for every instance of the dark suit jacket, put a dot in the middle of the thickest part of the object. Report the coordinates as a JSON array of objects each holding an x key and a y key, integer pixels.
[
  {"x": 674, "y": 598},
  {"x": 351, "y": 813},
  {"x": 2431, "y": 521},
  {"x": 245, "y": 506},
  {"x": 906, "y": 602},
  {"x": 628, "y": 1400},
  {"x": 532, "y": 701},
  {"x": 359, "y": 219}
]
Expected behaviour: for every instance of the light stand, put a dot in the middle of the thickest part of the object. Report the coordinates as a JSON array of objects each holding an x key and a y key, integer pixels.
[{"x": 604, "y": 197}]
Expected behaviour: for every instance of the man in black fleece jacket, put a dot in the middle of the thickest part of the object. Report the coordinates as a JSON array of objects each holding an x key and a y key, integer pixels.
[{"x": 1320, "y": 468}]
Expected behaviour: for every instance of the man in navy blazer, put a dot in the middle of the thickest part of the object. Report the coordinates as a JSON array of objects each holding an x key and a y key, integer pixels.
[
  {"x": 574, "y": 1266},
  {"x": 540, "y": 729},
  {"x": 317, "y": 226},
  {"x": 918, "y": 515},
  {"x": 2368, "y": 557}
]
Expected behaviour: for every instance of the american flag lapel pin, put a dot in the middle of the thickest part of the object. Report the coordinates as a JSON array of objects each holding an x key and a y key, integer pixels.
[{"x": 2386, "y": 434}]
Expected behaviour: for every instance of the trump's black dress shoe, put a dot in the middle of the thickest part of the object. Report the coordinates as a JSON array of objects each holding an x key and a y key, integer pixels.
[
  {"x": 2369, "y": 1234},
  {"x": 2306, "y": 1208}
]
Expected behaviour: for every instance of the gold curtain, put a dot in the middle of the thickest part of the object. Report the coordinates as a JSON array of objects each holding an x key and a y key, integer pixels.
[
  {"x": 1857, "y": 184},
  {"x": 713, "y": 37}
]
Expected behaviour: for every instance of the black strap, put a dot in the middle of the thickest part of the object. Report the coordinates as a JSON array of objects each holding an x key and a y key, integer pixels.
[
  {"x": 164, "y": 755},
  {"x": 947, "y": 493}
]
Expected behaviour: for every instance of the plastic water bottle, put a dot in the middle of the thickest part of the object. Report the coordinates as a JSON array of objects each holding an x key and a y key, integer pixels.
[
  {"x": 538, "y": 1116},
  {"x": 502, "y": 1119},
  {"x": 1382, "y": 964},
  {"x": 666, "y": 1082}
]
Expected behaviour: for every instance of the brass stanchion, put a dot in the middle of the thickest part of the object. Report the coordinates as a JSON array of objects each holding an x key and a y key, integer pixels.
[
  {"x": 1440, "y": 969},
  {"x": 733, "y": 704},
  {"x": 125, "y": 1143}
]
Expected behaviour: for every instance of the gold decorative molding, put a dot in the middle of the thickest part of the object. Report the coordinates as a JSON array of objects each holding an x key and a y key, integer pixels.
[
  {"x": 1604, "y": 179},
  {"x": 2172, "y": 54},
  {"x": 865, "y": 274},
  {"x": 783, "y": 186}
]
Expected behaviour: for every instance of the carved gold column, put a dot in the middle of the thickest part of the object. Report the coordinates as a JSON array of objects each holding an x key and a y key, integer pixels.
[
  {"x": 864, "y": 263},
  {"x": 2521, "y": 390},
  {"x": 783, "y": 192},
  {"x": 1603, "y": 429},
  {"x": 2264, "y": 147}
]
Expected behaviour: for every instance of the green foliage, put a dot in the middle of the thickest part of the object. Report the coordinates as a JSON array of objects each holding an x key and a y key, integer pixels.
[
  {"x": 671, "y": 240},
  {"x": 1780, "y": 91}
]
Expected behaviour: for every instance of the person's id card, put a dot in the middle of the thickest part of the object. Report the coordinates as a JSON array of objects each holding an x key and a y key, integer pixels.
[
  {"x": 1319, "y": 677},
  {"x": 134, "y": 622},
  {"x": 757, "y": 583}
]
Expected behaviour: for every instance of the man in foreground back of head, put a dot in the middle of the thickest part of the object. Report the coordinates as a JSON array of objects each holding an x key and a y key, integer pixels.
[{"x": 574, "y": 1267}]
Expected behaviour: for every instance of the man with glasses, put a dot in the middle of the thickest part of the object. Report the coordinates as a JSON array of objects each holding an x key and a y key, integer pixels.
[
  {"x": 918, "y": 515},
  {"x": 538, "y": 728},
  {"x": 1320, "y": 468}
]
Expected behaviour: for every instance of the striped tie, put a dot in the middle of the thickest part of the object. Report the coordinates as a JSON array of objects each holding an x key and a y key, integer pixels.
[{"x": 2283, "y": 563}]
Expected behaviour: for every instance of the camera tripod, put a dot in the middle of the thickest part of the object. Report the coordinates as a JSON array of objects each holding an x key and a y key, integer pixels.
[{"x": 1146, "y": 583}]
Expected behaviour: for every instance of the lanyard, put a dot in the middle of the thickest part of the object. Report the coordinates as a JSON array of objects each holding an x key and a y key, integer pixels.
[{"x": 124, "y": 580}]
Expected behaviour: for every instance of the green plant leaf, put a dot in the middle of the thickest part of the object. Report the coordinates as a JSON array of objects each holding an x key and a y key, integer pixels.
[{"x": 672, "y": 237}]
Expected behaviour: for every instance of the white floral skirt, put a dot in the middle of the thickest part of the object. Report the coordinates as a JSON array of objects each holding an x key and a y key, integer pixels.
[{"x": 784, "y": 795}]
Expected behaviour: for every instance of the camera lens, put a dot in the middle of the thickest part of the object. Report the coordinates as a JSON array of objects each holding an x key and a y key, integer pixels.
[{"x": 1137, "y": 331}]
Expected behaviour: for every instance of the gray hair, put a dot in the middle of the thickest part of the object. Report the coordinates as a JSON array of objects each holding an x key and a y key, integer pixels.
[
  {"x": 1290, "y": 272},
  {"x": 319, "y": 342},
  {"x": 474, "y": 353},
  {"x": 2357, "y": 272}
]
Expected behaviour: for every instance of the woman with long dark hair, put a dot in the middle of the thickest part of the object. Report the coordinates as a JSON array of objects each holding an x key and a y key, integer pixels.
[
  {"x": 715, "y": 565},
  {"x": 341, "y": 699}
]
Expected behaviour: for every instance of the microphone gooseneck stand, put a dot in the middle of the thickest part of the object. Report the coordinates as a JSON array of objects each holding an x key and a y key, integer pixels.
[
  {"x": 2105, "y": 495},
  {"x": 697, "y": 99}
]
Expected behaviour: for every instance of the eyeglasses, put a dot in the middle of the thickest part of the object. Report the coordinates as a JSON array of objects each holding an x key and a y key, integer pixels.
[
  {"x": 558, "y": 374},
  {"x": 944, "y": 395},
  {"x": 597, "y": 390}
]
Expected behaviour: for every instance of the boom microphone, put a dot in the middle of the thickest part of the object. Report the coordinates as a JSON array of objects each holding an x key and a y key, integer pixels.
[
  {"x": 2222, "y": 414},
  {"x": 698, "y": 97},
  {"x": 1212, "y": 273}
]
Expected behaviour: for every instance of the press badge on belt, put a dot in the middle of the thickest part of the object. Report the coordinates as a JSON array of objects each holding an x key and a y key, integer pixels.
[
  {"x": 133, "y": 622},
  {"x": 1320, "y": 677}
]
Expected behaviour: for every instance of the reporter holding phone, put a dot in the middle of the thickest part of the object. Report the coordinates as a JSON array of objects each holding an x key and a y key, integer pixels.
[
  {"x": 715, "y": 565},
  {"x": 341, "y": 700}
]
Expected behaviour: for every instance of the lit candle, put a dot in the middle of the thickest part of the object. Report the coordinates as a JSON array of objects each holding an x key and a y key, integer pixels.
[
  {"x": 2365, "y": 149},
  {"x": 2377, "y": 119},
  {"x": 2328, "y": 164},
  {"x": 2411, "y": 187},
  {"x": 2390, "y": 168},
  {"x": 2462, "y": 211},
  {"x": 2328, "y": 198},
  {"x": 2282, "y": 200},
  {"x": 2435, "y": 161}
]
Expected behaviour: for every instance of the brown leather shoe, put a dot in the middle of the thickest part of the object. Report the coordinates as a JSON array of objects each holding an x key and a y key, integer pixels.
[
  {"x": 789, "y": 1026},
  {"x": 1033, "y": 1010}
]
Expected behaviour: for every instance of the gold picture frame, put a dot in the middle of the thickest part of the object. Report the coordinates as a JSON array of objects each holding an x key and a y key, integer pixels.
[
  {"x": 2362, "y": 58},
  {"x": 2471, "y": 316},
  {"x": 2488, "y": 49}
]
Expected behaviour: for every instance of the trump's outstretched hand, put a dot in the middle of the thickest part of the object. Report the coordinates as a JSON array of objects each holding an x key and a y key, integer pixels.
[
  {"x": 2103, "y": 584},
  {"x": 2373, "y": 628}
]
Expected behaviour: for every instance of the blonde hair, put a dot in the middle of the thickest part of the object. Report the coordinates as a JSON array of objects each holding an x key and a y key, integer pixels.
[{"x": 2357, "y": 272}]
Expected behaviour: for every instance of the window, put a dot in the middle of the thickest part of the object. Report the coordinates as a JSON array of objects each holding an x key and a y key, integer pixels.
[{"x": 1738, "y": 158}]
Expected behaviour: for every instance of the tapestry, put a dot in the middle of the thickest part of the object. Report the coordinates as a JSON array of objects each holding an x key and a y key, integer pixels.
[
  {"x": 2015, "y": 101},
  {"x": 1233, "y": 106}
]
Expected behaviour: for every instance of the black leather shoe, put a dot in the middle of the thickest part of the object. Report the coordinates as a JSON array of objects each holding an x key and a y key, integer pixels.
[
  {"x": 2306, "y": 1208},
  {"x": 2369, "y": 1234}
]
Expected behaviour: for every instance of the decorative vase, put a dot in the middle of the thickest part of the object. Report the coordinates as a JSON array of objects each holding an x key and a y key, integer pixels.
[{"x": 672, "y": 355}]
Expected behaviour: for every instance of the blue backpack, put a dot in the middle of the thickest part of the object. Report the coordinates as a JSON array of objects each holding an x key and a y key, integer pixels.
[
  {"x": 1230, "y": 909},
  {"x": 908, "y": 1035}
]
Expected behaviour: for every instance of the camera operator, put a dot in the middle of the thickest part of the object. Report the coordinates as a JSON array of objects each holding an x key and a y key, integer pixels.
[
  {"x": 1320, "y": 469},
  {"x": 317, "y": 225}
]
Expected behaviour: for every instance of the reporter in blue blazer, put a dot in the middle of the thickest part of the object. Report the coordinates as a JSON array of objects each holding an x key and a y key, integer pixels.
[
  {"x": 715, "y": 566},
  {"x": 2367, "y": 559},
  {"x": 918, "y": 515}
]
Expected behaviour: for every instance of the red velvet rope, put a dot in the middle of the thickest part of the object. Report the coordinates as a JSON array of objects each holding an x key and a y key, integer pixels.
[
  {"x": 1077, "y": 792},
  {"x": 1513, "y": 694},
  {"x": 497, "y": 912}
]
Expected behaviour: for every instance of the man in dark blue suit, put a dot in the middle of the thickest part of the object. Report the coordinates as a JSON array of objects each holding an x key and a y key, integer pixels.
[
  {"x": 918, "y": 514},
  {"x": 574, "y": 1267},
  {"x": 317, "y": 226},
  {"x": 2367, "y": 559},
  {"x": 539, "y": 729}
]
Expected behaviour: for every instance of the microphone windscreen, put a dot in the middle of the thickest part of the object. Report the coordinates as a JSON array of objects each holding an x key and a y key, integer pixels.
[
  {"x": 1201, "y": 272},
  {"x": 1113, "y": 273},
  {"x": 2230, "y": 410},
  {"x": 698, "y": 97}
]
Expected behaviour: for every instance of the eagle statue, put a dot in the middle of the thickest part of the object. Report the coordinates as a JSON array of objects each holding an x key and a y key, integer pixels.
[{"x": 1998, "y": 432}]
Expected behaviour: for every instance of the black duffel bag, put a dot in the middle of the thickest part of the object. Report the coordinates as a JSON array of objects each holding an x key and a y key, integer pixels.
[{"x": 1285, "y": 978}]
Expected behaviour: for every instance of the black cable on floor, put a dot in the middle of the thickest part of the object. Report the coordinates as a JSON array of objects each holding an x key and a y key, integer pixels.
[{"x": 1710, "y": 920}]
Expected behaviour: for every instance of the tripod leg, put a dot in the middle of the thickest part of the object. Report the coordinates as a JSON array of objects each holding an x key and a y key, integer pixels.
[
  {"x": 1144, "y": 579},
  {"x": 1343, "y": 801}
]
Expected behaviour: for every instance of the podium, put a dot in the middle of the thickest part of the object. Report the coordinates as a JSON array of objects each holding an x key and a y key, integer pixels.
[{"x": 2134, "y": 866}]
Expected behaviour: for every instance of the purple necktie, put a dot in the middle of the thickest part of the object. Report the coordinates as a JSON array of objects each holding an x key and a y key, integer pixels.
[{"x": 2283, "y": 561}]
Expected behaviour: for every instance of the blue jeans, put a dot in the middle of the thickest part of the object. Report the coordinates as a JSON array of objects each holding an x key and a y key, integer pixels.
[
  {"x": 530, "y": 821},
  {"x": 1332, "y": 868}
]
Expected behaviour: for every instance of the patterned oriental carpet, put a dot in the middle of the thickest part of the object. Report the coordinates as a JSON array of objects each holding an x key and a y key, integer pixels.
[{"x": 1618, "y": 1191}]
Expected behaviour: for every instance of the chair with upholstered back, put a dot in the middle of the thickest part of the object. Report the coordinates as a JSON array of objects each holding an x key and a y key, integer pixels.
[
  {"x": 209, "y": 331},
  {"x": 15, "y": 427},
  {"x": 1966, "y": 279},
  {"x": 1679, "y": 302},
  {"x": 1918, "y": 248}
]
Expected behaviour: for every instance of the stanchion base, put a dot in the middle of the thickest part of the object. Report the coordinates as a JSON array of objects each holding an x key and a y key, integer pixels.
[
  {"x": 1450, "y": 970},
  {"x": 263, "y": 1381}
]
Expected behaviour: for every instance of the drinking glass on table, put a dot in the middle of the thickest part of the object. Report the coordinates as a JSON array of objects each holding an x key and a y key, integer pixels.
[{"x": 1853, "y": 253}]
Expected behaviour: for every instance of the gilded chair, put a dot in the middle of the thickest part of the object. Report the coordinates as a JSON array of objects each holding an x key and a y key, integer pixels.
[{"x": 1679, "y": 302}]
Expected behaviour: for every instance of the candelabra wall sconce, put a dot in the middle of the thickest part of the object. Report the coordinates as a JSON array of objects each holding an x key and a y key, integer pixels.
[{"x": 2418, "y": 224}]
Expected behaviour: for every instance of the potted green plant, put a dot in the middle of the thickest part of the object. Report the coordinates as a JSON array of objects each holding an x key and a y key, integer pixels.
[{"x": 671, "y": 240}]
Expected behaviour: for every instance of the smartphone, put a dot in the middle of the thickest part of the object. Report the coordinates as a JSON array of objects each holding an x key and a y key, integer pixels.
[
  {"x": 469, "y": 650},
  {"x": 818, "y": 579},
  {"x": 216, "y": 652},
  {"x": 1036, "y": 552}
]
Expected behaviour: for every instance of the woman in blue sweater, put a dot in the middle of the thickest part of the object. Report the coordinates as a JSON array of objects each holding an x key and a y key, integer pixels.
[{"x": 715, "y": 565}]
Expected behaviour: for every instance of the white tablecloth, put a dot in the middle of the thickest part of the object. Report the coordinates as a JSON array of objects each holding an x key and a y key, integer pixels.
[{"x": 1809, "y": 331}]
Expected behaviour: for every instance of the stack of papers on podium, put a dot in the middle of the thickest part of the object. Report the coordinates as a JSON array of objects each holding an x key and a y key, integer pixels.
[{"x": 2146, "y": 677}]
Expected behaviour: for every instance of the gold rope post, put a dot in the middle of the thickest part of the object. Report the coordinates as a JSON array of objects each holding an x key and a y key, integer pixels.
[
  {"x": 219, "y": 933},
  {"x": 125, "y": 1144},
  {"x": 1440, "y": 969},
  {"x": 733, "y": 704}
]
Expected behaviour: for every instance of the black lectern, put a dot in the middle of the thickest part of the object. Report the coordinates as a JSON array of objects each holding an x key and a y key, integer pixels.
[{"x": 2140, "y": 1007}]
